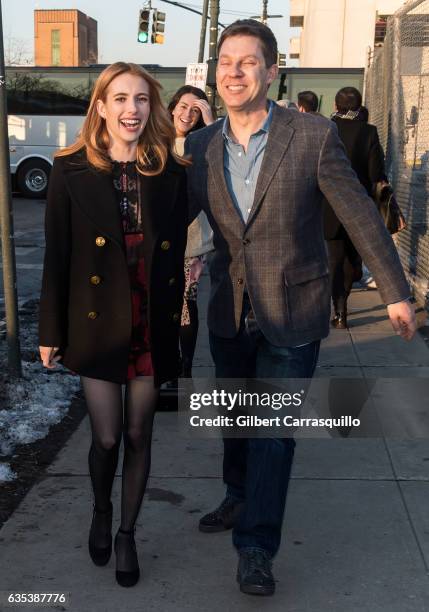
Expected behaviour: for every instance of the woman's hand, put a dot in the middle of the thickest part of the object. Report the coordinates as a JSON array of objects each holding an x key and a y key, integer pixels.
[
  {"x": 48, "y": 356},
  {"x": 206, "y": 111}
]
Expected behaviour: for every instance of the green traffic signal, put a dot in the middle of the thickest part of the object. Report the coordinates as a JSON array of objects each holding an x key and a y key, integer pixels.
[{"x": 143, "y": 32}]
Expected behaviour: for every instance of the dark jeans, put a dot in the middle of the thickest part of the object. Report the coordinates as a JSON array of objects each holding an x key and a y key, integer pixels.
[{"x": 257, "y": 470}]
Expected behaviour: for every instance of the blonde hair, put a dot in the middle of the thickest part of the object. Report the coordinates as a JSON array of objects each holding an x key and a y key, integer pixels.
[{"x": 156, "y": 141}]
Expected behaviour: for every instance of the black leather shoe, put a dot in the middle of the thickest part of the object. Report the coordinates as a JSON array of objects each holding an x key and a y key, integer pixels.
[
  {"x": 339, "y": 321},
  {"x": 101, "y": 527},
  {"x": 254, "y": 572},
  {"x": 126, "y": 557},
  {"x": 223, "y": 518}
]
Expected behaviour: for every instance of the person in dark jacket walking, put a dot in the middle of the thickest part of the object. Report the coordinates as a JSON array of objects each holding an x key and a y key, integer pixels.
[
  {"x": 366, "y": 156},
  {"x": 112, "y": 290}
]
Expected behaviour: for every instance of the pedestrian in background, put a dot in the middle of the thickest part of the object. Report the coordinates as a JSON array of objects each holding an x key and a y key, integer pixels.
[
  {"x": 190, "y": 110},
  {"x": 366, "y": 156},
  {"x": 308, "y": 102},
  {"x": 112, "y": 289}
]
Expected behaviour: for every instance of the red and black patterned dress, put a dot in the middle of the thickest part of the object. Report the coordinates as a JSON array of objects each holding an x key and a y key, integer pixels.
[{"x": 129, "y": 197}]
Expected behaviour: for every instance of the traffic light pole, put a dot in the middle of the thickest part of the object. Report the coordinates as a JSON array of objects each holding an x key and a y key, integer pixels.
[
  {"x": 203, "y": 31},
  {"x": 6, "y": 223},
  {"x": 214, "y": 22},
  {"x": 264, "y": 17}
]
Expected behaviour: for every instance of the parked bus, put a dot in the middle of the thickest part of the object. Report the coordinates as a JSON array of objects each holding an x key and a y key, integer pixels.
[{"x": 46, "y": 108}]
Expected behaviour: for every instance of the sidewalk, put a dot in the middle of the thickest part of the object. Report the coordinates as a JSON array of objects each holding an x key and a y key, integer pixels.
[{"x": 356, "y": 533}]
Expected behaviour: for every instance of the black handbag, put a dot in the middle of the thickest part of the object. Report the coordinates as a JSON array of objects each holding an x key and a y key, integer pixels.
[{"x": 388, "y": 208}]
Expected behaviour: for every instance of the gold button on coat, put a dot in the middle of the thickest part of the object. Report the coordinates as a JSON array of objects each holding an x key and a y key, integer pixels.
[
  {"x": 100, "y": 241},
  {"x": 176, "y": 317},
  {"x": 95, "y": 280},
  {"x": 165, "y": 245},
  {"x": 92, "y": 314},
  {"x": 172, "y": 282}
]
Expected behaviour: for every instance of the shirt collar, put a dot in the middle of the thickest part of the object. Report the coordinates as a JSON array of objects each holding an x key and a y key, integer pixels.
[{"x": 265, "y": 127}]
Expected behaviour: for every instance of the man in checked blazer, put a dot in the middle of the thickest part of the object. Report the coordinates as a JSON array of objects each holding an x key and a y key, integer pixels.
[{"x": 260, "y": 176}]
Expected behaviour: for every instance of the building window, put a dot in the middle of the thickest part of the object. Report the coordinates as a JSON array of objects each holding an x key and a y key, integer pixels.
[
  {"x": 297, "y": 21},
  {"x": 380, "y": 30},
  {"x": 55, "y": 48}
]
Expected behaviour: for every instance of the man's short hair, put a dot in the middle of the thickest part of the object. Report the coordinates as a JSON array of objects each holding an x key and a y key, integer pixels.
[
  {"x": 309, "y": 101},
  {"x": 348, "y": 98},
  {"x": 251, "y": 27}
]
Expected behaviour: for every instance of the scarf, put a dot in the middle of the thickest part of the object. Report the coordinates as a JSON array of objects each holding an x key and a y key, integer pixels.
[{"x": 356, "y": 115}]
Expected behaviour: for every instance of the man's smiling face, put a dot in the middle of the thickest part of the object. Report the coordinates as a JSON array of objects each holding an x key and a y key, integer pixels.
[{"x": 242, "y": 76}]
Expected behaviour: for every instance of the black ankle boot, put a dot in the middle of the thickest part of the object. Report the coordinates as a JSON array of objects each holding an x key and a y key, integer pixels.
[
  {"x": 101, "y": 523},
  {"x": 126, "y": 556},
  {"x": 340, "y": 320}
]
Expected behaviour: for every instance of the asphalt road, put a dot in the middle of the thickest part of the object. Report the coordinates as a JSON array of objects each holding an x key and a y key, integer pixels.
[{"x": 28, "y": 216}]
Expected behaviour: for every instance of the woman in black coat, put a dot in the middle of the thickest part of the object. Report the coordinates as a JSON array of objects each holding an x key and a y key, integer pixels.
[
  {"x": 112, "y": 290},
  {"x": 366, "y": 156}
]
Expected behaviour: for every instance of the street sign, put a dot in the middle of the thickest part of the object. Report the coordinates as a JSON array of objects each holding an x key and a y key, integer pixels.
[{"x": 196, "y": 75}]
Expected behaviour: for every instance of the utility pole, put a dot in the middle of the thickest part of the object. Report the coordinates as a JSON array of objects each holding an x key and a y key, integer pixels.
[
  {"x": 264, "y": 17},
  {"x": 6, "y": 223},
  {"x": 214, "y": 22},
  {"x": 203, "y": 31}
]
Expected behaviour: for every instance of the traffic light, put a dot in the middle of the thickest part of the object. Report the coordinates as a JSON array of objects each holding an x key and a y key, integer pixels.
[
  {"x": 143, "y": 33},
  {"x": 158, "y": 27},
  {"x": 281, "y": 60}
]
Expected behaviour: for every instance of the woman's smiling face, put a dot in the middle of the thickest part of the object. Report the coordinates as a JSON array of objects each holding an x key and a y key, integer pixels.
[
  {"x": 126, "y": 108},
  {"x": 185, "y": 115}
]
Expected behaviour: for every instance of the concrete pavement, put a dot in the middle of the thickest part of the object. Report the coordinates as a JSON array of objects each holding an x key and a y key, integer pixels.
[{"x": 356, "y": 535}]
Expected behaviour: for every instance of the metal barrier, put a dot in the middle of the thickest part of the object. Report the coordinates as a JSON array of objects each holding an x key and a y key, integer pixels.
[{"x": 397, "y": 96}]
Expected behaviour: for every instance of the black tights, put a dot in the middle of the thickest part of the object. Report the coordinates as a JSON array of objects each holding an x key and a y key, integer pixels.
[
  {"x": 110, "y": 419},
  {"x": 188, "y": 338}
]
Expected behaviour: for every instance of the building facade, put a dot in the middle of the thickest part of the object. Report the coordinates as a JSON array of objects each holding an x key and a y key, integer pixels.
[
  {"x": 338, "y": 33},
  {"x": 64, "y": 38}
]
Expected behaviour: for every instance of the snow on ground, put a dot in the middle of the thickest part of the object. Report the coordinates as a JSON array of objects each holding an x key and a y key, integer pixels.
[
  {"x": 29, "y": 406},
  {"x": 6, "y": 474},
  {"x": 35, "y": 402}
]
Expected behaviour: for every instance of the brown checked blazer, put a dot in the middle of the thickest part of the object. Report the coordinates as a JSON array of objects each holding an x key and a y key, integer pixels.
[{"x": 280, "y": 254}]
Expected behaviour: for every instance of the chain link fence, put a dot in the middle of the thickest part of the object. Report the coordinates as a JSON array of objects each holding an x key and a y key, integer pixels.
[{"x": 397, "y": 97}]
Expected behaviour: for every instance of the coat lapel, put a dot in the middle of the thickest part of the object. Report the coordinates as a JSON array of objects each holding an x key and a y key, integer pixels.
[
  {"x": 94, "y": 194},
  {"x": 279, "y": 138},
  {"x": 214, "y": 158}
]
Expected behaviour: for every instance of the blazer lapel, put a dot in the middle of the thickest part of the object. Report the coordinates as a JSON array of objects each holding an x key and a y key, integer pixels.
[
  {"x": 279, "y": 138},
  {"x": 94, "y": 194},
  {"x": 214, "y": 158}
]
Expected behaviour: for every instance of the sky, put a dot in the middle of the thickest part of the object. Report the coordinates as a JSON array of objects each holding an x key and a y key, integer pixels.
[{"x": 118, "y": 22}]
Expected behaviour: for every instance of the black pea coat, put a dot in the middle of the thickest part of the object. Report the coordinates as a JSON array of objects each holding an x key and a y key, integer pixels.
[
  {"x": 85, "y": 304},
  {"x": 366, "y": 156}
]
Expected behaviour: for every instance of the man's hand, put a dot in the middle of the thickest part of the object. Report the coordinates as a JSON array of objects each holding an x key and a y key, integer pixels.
[
  {"x": 403, "y": 319},
  {"x": 48, "y": 356}
]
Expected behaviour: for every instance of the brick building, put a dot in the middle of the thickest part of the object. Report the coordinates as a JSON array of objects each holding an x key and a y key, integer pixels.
[{"x": 64, "y": 38}]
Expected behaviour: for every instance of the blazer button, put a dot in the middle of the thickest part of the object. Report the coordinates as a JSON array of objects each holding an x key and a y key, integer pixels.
[
  {"x": 176, "y": 317},
  {"x": 165, "y": 245},
  {"x": 95, "y": 280},
  {"x": 100, "y": 241},
  {"x": 240, "y": 281},
  {"x": 172, "y": 282},
  {"x": 92, "y": 315},
  {"x": 246, "y": 241}
]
